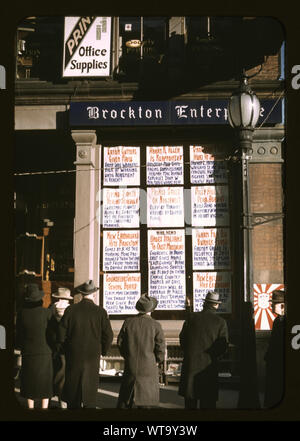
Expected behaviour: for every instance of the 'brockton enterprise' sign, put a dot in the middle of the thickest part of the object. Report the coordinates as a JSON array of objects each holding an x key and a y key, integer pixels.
[
  {"x": 134, "y": 113},
  {"x": 87, "y": 47}
]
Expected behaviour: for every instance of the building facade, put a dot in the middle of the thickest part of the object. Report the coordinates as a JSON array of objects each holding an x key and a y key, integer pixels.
[{"x": 126, "y": 165}]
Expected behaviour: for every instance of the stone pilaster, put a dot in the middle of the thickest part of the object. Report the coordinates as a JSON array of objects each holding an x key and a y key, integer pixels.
[{"x": 86, "y": 225}]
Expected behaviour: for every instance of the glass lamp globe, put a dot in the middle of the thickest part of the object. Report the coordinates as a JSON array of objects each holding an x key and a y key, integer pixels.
[{"x": 243, "y": 107}]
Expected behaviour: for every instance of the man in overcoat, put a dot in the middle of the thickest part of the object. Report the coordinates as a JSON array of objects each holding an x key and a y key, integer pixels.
[
  {"x": 274, "y": 357},
  {"x": 142, "y": 344},
  {"x": 203, "y": 339},
  {"x": 85, "y": 333}
]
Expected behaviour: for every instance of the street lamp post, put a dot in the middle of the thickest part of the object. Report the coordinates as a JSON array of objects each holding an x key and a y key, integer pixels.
[{"x": 243, "y": 114}]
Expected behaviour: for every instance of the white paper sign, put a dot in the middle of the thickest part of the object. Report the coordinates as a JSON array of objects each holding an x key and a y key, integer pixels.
[
  {"x": 210, "y": 205},
  {"x": 121, "y": 292},
  {"x": 121, "y": 250},
  {"x": 212, "y": 281},
  {"x": 166, "y": 260},
  {"x": 87, "y": 47},
  {"x": 121, "y": 166},
  {"x": 165, "y": 207},
  {"x": 205, "y": 168},
  {"x": 211, "y": 248},
  {"x": 165, "y": 165},
  {"x": 121, "y": 208}
]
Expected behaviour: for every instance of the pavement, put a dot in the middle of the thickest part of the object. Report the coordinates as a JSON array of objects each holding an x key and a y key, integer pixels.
[{"x": 169, "y": 399}]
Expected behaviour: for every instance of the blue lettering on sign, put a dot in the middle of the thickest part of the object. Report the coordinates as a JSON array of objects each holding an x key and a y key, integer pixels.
[{"x": 149, "y": 113}]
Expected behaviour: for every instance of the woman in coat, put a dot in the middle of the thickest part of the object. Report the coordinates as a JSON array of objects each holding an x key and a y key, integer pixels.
[
  {"x": 36, "y": 371},
  {"x": 62, "y": 300},
  {"x": 141, "y": 342}
]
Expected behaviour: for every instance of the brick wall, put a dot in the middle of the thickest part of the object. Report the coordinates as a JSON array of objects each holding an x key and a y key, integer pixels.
[
  {"x": 267, "y": 238},
  {"x": 270, "y": 69}
]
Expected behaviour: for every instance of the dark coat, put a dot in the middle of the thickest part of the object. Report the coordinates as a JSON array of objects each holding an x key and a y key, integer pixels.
[
  {"x": 203, "y": 338},
  {"x": 141, "y": 342},
  {"x": 86, "y": 334},
  {"x": 58, "y": 358},
  {"x": 274, "y": 358},
  {"x": 31, "y": 337}
]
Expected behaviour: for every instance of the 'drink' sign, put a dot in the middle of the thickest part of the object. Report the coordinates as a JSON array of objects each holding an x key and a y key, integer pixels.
[{"x": 87, "y": 47}]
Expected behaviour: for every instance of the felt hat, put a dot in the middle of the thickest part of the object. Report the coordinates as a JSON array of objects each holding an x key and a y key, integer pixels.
[
  {"x": 33, "y": 293},
  {"x": 87, "y": 288},
  {"x": 212, "y": 297},
  {"x": 278, "y": 296},
  {"x": 146, "y": 304},
  {"x": 63, "y": 293}
]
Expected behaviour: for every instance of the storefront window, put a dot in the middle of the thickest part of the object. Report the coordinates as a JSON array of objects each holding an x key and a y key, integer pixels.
[
  {"x": 166, "y": 219},
  {"x": 142, "y": 46}
]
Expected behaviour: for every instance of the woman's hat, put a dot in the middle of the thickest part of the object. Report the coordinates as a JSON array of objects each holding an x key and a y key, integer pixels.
[
  {"x": 33, "y": 293},
  {"x": 212, "y": 297},
  {"x": 63, "y": 293},
  {"x": 278, "y": 296},
  {"x": 87, "y": 288},
  {"x": 146, "y": 303}
]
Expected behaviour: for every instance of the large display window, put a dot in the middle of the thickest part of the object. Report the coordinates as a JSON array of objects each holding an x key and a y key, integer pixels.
[{"x": 165, "y": 227}]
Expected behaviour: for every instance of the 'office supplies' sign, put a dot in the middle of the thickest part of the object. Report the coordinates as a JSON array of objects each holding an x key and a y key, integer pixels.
[{"x": 87, "y": 47}]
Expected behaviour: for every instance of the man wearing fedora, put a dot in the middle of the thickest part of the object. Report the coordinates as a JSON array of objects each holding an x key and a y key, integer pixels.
[
  {"x": 274, "y": 357},
  {"x": 61, "y": 300},
  {"x": 203, "y": 339},
  {"x": 142, "y": 344},
  {"x": 86, "y": 334}
]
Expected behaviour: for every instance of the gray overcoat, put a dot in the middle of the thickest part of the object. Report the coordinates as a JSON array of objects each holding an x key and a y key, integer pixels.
[
  {"x": 203, "y": 338},
  {"x": 141, "y": 343}
]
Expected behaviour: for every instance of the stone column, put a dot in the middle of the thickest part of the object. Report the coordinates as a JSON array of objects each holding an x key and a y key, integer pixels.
[{"x": 86, "y": 226}]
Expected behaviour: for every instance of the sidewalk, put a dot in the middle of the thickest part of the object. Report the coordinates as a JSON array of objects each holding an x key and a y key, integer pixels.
[{"x": 169, "y": 399}]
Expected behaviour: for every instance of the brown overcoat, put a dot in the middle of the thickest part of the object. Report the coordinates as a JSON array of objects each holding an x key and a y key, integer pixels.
[
  {"x": 142, "y": 344},
  {"x": 203, "y": 338}
]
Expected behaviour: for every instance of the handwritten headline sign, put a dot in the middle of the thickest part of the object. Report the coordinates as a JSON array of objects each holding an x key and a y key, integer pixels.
[
  {"x": 121, "y": 292},
  {"x": 165, "y": 165},
  {"x": 210, "y": 205},
  {"x": 121, "y": 208},
  {"x": 212, "y": 281},
  {"x": 165, "y": 207},
  {"x": 166, "y": 259},
  {"x": 121, "y": 250},
  {"x": 207, "y": 168},
  {"x": 211, "y": 248},
  {"x": 121, "y": 166}
]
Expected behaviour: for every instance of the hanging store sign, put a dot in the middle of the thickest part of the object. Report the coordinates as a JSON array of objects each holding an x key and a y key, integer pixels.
[
  {"x": 121, "y": 292},
  {"x": 121, "y": 208},
  {"x": 210, "y": 205},
  {"x": 149, "y": 113},
  {"x": 212, "y": 281},
  {"x": 165, "y": 165},
  {"x": 165, "y": 207},
  {"x": 121, "y": 166},
  {"x": 207, "y": 167},
  {"x": 211, "y": 248},
  {"x": 121, "y": 250},
  {"x": 87, "y": 47},
  {"x": 166, "y": 260}
]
